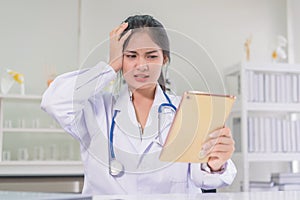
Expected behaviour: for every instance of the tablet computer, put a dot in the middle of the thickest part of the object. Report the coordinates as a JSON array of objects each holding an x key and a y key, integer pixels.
[{"x": 197, "y": 115}]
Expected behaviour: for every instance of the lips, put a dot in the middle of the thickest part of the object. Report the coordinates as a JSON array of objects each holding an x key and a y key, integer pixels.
[{"x": 141, "y": 77}]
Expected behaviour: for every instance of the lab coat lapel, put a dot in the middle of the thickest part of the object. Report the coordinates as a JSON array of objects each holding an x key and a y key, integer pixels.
[
  {"x": 127, "y": 122},
  {"x": 126, "y": 118},
  {"x": 151, "y": 131}
]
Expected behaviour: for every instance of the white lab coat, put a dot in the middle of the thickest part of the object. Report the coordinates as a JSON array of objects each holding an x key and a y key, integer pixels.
[{"x": 77, "y": 101}]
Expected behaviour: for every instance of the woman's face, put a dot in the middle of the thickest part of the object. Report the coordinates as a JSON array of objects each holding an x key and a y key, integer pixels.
[{"x": 142, "y": 61}]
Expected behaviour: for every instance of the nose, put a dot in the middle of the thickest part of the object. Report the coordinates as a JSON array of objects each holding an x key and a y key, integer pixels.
[
  {"x": 142, "y": 65},
  {"x": 143, "y": 68}
]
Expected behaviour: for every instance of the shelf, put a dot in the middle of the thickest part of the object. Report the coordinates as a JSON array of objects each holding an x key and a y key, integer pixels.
[
  {"x": 39, "y": 163},
  {"x": 239, "y": 80},
  {"x": 285, "y": 107},
  {"x": 261, "y": 157},
  {"x": 33, "y": 130},
  {"x": 23, "y": 168},
  {"x": 20, "y": 97},
  {"x": 267, "y": 107},
  {"x": 277, "y": 67},
  {"x": 263, "y": 67},
  {"x": 33, "y": 168}
]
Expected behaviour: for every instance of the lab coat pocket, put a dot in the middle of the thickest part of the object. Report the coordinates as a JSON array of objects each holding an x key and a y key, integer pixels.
[
  {"x": 178, "y": 186},
  {"x": 178, "y": 178}
]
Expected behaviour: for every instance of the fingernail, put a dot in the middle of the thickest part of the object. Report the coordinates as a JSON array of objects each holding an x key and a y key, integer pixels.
[
  {"x": 202, "y": 153},
  {"x": 204, "y": 146}
]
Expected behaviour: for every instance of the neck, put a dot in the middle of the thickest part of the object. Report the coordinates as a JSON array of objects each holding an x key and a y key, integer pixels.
[
  {"x": 142, "y": 100},
  {"x": 143, "y": 93}
]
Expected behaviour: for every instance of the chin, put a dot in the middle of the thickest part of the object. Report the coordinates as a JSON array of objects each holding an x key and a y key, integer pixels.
[{"x": 142, "y": 86}]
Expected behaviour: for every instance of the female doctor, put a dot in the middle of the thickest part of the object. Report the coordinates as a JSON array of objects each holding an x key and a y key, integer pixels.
[{"x": 119, "y": 135}]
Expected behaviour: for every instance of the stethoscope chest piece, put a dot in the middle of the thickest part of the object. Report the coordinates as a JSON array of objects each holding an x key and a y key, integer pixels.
[{"x": 116, "y": 168}]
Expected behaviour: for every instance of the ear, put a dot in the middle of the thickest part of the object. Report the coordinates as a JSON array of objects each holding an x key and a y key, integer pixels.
[{"x": 166, "y": 60}]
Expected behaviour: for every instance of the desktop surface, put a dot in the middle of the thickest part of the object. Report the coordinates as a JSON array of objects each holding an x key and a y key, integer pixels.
[
  {"x": 278, "y": 195},
  {"x": 15, "y": 195}
]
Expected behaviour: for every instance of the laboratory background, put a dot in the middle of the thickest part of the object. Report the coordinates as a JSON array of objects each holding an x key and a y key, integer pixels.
[{"x": 246, "y": 48}]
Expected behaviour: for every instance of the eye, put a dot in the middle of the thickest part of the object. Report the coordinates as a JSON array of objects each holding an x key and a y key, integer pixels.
[
  {"x": 152, "y": 56},
  {"x": 130, "y": 55}
]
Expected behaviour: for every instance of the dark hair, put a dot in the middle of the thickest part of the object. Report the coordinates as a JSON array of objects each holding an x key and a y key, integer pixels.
[{"x": 155, "y": 30}]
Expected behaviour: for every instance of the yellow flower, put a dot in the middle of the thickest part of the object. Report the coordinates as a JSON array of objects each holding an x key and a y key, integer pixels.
[{"x": 18, "y": 77}]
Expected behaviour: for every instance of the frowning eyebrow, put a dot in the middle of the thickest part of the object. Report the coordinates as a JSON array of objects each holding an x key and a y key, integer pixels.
[{"x": 134, "y": 52}]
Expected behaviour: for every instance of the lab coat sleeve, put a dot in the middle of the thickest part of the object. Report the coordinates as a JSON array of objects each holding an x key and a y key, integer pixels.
[
  {"x": 68, "y": 94},
  {"x": 209, "y": 180}
]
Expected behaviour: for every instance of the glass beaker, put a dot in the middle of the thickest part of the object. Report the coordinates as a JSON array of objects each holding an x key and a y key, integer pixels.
[{"x": 6, "y": 82}]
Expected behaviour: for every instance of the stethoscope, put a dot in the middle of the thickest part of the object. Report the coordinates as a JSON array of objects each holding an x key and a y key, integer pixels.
[{"x": 116, "y": 168}]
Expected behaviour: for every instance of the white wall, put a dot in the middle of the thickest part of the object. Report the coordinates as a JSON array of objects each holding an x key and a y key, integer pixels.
[
  {"x": 39, "y": 33},
  {"x": 221, "y": 27},
  {"x": 294, "y": 30},
  {"x": 35, "y": 34}
]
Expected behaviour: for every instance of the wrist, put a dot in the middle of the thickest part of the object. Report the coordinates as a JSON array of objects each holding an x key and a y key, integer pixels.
[
  {"x": 214, "y": 169},
  {"x": 207, "y": 168},
  {"x": 114, "y": 66}
]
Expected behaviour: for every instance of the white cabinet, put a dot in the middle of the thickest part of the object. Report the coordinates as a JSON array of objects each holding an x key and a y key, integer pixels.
[
  {"x": 267, "y": 107},
  {"x": 31, "y": 143}
]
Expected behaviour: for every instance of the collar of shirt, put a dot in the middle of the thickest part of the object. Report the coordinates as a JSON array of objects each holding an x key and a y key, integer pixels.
[{"x": 126, "y": 119}]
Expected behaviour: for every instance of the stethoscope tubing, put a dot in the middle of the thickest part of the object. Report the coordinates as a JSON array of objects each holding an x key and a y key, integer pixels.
[
  {"x": 111, "y": 138},
  {"x": 117, "y": 169}
]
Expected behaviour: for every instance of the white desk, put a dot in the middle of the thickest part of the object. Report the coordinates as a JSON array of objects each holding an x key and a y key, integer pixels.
[{"x": 287, "y": 195}]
